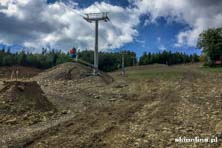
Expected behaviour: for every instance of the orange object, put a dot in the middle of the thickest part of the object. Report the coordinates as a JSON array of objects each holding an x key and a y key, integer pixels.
[{"x": 72, "y": 51}]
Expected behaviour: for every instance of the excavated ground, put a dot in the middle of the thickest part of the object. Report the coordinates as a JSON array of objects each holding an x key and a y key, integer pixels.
[
  {"x": 150, "y": 107},
  {"x": 23, "y": 103}
]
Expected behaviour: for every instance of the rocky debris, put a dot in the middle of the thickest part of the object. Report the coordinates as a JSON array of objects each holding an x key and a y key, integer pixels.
[
  {"x": 1, "y": 85},
  {"x": 11, "y": 121},
  {"x": 120, "y": 85},
  {"x": 218, "y": 128},
  {"x": 66, "y": 112}
]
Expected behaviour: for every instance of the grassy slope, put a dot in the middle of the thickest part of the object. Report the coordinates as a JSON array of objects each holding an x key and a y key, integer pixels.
[
  {"x": 214, "y": 70},
  {"x": 164, "y": 72},
  {"x": 154, "y": 74}
]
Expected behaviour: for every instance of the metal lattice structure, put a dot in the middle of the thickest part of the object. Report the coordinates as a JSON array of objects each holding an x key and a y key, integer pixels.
[{"x": 93, "y": 17}]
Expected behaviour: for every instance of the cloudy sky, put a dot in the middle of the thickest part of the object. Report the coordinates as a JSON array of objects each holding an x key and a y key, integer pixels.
[{"x": 137, "y": 25}]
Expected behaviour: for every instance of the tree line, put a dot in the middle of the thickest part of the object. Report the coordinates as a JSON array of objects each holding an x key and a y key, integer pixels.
[
  {"x": 108, "y": 61},
  {"x": 44, "y": 60},
  {"x": 49, "y": 58},
  {"x": 168, "y": 58}
]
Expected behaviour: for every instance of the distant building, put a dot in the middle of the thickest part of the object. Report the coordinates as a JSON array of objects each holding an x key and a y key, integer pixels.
[
  {"x": 218, "y": 59},
  {"x": 215, "y": 59}
]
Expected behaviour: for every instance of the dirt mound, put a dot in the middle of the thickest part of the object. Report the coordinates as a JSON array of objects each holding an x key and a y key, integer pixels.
[
  {"x": 71, "y": 71},
  {"x": 67, "y": 71},
  {"x": 19, "y": 97},
  {"x": 26, "y": 100}
]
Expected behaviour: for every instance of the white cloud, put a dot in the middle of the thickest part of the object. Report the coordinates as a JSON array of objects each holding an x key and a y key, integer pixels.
[
  {"x": 198, "y": 14},
  {"x": 36, "y": 24}
]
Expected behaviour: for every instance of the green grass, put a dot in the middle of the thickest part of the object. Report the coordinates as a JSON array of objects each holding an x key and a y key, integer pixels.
[
  {"x": 154, "y": 74},
  {"x": 212, "y": 69}
]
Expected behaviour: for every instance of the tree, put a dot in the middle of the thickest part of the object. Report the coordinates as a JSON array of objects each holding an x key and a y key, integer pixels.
[
  {"x": 167, "y": 57},
  {"x": 22, "y": 58},
  {"x": 211, "y": 43}
]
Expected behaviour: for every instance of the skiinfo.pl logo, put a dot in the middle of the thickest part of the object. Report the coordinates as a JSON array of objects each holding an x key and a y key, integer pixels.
[{"x": 196, "y": 140}]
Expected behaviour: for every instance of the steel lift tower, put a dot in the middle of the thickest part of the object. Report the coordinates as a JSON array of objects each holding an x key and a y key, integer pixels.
[{"x": 91, "y": 18}]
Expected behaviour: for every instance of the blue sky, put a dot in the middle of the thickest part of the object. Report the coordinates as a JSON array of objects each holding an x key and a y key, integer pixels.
[
  {"x": 158, "y": 37},
  {"x": 87, "y": 3},
  {"x": 151, "y": 38},
  {"x": 136, "y": 25}
]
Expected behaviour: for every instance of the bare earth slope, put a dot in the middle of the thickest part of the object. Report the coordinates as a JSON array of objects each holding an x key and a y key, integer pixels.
[{"x": 150, "y": 107}]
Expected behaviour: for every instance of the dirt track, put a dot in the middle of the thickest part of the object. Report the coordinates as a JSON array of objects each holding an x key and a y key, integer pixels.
[{"x": 132, "y": 112}]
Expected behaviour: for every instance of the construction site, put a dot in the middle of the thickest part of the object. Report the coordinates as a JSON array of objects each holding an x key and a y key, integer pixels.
[
  {"x": 161, "y": 100},
  {"x": 65, "y": 106}
]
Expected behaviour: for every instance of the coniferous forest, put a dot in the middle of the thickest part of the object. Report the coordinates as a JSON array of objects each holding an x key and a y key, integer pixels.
[
  {"x": 167, "y": 58},
  {"x": 108, "y": 61}
]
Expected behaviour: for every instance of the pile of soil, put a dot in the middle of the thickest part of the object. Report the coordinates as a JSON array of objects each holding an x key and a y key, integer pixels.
[
  {"x": 23, "y": 99},
  {"x": 71, "y": 71},
  {"x": 66, "y": 71}
]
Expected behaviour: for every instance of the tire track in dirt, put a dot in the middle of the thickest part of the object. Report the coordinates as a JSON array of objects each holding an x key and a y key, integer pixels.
[
  {"x": 88, "y": 129},
  {"x": 121, "y": 117},
  {"x": 25, "y": 136},
  {"x": 113, "y": 136},
  {"x": 194, "y": 111},
  {"x": 160, "y": 119}
]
